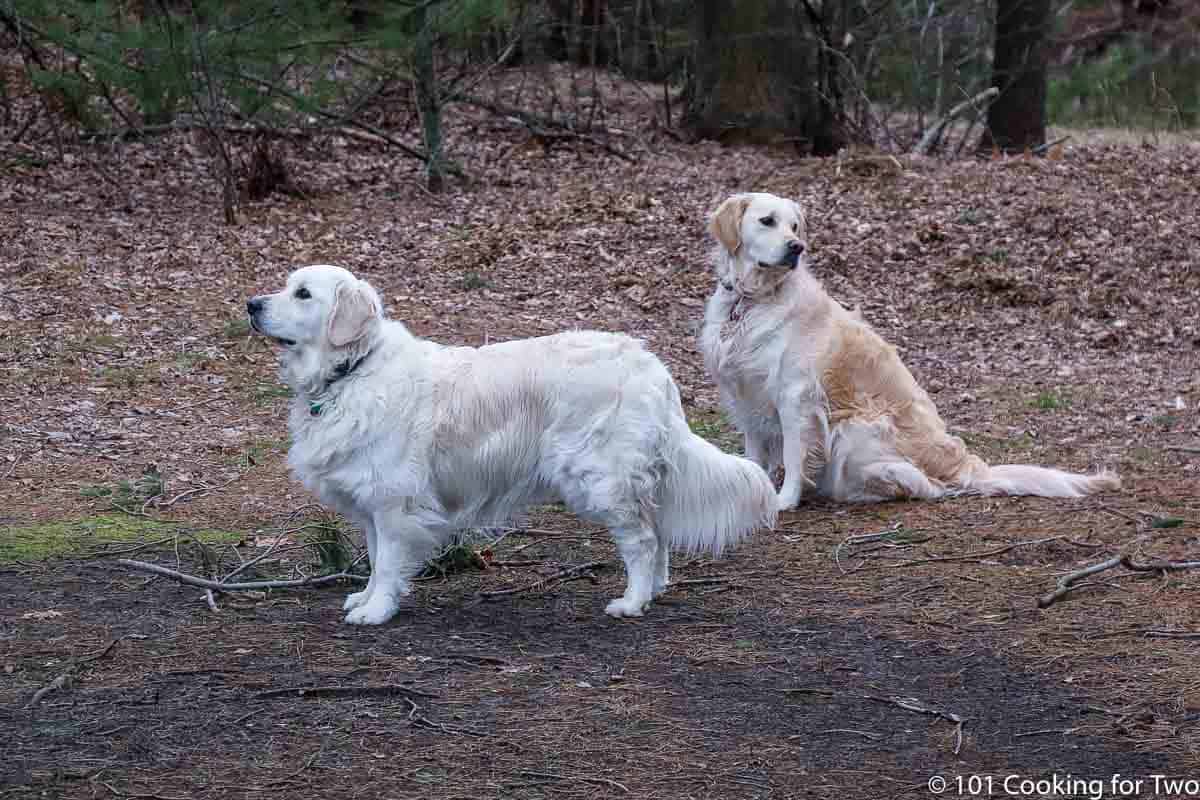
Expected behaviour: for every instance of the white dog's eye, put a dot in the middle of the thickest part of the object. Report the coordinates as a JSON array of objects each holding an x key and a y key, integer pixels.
[
  {"x": 302, "y": 294},
  {"x": 768, "y": 221},
  {"x": 795, "y": 227}
]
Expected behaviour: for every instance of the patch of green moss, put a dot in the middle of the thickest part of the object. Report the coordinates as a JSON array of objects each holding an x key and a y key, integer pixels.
[
  {"x": 716, "y": 428},
  {"x": 90, "y": 535}
]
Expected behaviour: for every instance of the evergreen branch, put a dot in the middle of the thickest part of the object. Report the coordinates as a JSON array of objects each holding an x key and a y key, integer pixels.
[{"x": 381, "y": 134}]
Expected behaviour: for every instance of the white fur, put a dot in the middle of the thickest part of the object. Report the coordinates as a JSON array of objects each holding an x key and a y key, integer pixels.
[
  {"x": 420, "y": 440},
  {"x": 814, "y": 389}
]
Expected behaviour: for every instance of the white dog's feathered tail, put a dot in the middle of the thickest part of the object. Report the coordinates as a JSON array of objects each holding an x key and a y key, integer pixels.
[
  {"x": 710, "y": 500},
  {"x": 1023, "y": 479}
]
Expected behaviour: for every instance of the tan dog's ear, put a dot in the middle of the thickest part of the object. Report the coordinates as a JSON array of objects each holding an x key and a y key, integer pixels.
[
  {"x": 726, "y": 223},
  {"x": 800, "y": 214},
  {"x": 354, "y": 307}
]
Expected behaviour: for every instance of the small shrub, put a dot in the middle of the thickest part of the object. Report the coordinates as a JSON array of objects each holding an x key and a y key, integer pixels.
[{"x": 1050, "y": 401}]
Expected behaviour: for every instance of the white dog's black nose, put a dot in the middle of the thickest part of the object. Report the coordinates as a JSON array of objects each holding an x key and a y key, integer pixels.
[
  {"x": 253, "y": 306},
  {"x": 795, "y": 247}
]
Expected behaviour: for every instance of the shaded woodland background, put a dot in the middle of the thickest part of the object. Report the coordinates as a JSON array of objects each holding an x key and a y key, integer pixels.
[
  {"x": 817, "y": 77},
  {"x": 507, "y": 169}
]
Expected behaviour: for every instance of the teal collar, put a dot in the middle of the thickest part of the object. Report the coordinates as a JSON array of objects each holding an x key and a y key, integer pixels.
[{"x": 340, "y": 371}]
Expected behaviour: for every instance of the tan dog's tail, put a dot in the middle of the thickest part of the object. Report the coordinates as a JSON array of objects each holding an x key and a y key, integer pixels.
[
  {"x": 711, "y": 500},
  {"x": 1023, "y": 479}
]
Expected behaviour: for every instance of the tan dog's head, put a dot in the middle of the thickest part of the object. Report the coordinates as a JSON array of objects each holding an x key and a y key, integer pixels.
[
  {"x": 761, "y": 237},
  {"x": 323, "y": 317}
]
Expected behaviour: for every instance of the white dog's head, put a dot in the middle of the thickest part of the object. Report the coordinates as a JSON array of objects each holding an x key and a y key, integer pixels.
[
  {"x": 761, "y": 239},
  {"x": 325, "y": 319}
]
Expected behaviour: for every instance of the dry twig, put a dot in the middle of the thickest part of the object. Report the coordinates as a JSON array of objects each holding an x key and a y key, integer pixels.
[
  {"x": 976, "y": 556},
  {"x": 370, "y": 690},
  {"x": 1067, "y": 583},
  {"x": 934, "y": 133},
  {"x": 1160, "y": 634},
  {"x": 907, "y": 703},
  {"x": 205, "y": 583},
  {"x": 64, "y": 679},
  {"x": 571, "y": 573},
  {"x": 860, "y": 539},
  {"x": 582, "y": 778},
  {"x": 1070, "y": 582}
]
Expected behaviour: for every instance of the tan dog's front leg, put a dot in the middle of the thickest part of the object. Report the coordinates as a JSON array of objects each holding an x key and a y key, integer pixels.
[
  {"x": 756, "y": 450},
  {"x": 801, "y": 434}
]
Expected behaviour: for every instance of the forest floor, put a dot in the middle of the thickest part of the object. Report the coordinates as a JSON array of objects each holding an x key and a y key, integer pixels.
[{"x": 1049, "y": 306}]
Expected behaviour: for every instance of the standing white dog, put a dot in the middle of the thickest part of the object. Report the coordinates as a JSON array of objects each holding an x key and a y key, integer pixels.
[
  {"x": 412, "y": 440},
  {"x": 813, "y": 387}
]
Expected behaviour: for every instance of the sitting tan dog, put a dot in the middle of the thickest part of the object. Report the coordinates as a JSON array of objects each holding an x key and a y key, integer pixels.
[{"x": 813, "y": 387}]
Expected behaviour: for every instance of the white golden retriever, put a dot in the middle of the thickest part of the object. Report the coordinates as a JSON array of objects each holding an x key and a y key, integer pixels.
[
  {"x": 412, "y": 440},
  {"x": 814, "y": 388}
]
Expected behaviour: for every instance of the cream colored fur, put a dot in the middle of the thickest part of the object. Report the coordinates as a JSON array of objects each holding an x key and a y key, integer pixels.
[
  {"x": 816, "y": 390},
  {"x": 413, "y": 440}
]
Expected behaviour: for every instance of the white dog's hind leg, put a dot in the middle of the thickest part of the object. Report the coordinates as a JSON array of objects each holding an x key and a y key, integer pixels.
[
  {"x": 356, "y": 599},
  {"x": 401, "y": 547},
  {"x": 639, "y": 546}
]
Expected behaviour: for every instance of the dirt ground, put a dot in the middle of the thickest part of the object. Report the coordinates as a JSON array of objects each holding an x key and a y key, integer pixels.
[{"x": 1049, "y": 305}]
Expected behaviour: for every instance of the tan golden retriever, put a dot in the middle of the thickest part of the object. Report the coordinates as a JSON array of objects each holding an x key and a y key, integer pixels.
[{"x": 815, "y": 389}]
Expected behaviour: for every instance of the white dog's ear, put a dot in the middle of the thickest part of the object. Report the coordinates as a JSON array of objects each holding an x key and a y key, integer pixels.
[
  {"x": 354, "y": 308},
  {"x": 726, "y": 223}
]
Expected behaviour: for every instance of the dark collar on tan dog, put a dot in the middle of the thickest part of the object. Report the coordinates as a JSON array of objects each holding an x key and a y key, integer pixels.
[{"x": 740, "y": 305}]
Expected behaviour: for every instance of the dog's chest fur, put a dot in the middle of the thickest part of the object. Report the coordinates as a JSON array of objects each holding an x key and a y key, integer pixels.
[{"x": 754, "y": 353}]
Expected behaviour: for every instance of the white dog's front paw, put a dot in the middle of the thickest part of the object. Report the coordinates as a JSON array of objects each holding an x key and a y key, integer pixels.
[
  {"x": 354, "y": 600},
  {"x": 621, "y": 607},
  {"x": 660, "y": 587},
  {"x": 378, "y": 609}
]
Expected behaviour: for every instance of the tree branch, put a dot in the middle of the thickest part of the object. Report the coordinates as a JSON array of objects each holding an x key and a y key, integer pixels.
[
  {"x": 931, "y": 136},
  {"x": 248, "y": 586}
]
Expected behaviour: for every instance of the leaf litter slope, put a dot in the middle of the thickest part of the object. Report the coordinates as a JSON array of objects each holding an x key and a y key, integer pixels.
[{"x": 1047, "y": 305}]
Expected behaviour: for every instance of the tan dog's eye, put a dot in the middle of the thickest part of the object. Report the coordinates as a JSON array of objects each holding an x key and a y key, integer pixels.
[
  {"x": 768, "y": 221},
  {"x": 302, "y": 294}
]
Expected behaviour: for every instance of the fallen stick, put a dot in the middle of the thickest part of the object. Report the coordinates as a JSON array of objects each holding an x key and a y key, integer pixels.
[
  {"x": 582, "y": 778},
  {"x": 577, "y": 571},
  {"x": 1182, "y": 449},
  {"x": 907, "y": 703},
  {"x": 935, "y": 130},
  {"x": 1066, "y": 583},
  {"x": 859, "y": 539},
  {"x": 1042, "y": 148},
  {"x": 1157, "y": 566},
  {"x": 1157, "y": 634},
  {"x": 64, "y": 679},
  {"x": 371, "y": 690},
  {"x": 248, "y": 586},
  {"x": 975, "y": 556}
]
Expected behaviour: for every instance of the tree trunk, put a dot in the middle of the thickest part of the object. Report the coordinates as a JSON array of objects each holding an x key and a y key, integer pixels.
[
  {"x": 757, "y": 77},
  {"x": 1017, "y": 120},
  {"x": 429, "y": 104}
]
